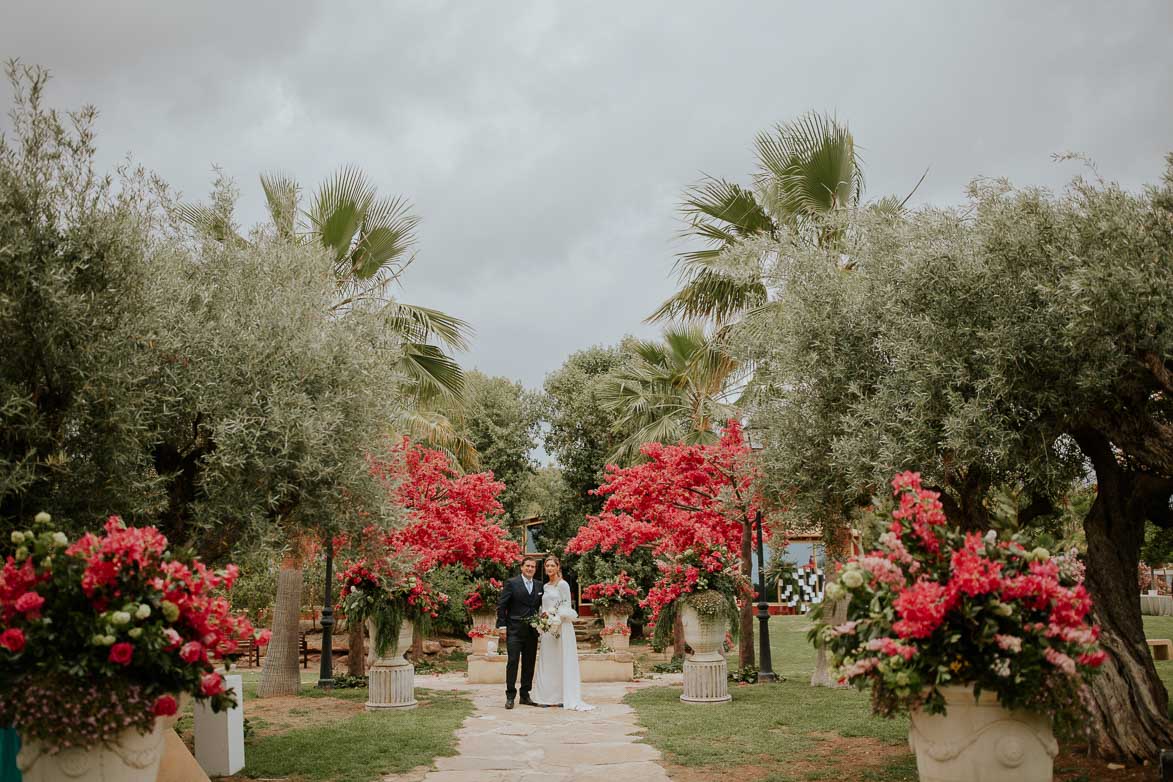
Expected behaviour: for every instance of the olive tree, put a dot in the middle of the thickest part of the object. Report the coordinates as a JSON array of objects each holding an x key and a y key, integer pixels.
[
  {"x": 76, "y": 410},
  {"x": 1005, "y": 346},
  {"x": 274, "y": 403}
]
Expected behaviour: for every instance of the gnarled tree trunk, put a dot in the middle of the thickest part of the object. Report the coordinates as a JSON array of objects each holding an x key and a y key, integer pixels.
[
  {"x": 280, "y": 674},
  {"x": 1129, "y": 704},
  {"x": 354, "y": 654}
]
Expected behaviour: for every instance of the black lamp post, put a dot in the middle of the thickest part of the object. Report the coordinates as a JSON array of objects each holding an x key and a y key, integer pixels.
[
  {"x": 766, "y": 670},
  {"x": 326, "y": 675}
]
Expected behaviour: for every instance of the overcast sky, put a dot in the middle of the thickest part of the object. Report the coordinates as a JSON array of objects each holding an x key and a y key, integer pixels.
[{"x": 545, "y": 144}]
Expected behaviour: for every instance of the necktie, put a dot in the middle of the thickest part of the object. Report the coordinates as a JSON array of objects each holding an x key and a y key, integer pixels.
[{"x": 529, "y": 586}]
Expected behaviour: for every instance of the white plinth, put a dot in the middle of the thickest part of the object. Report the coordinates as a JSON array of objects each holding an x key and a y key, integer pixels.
[
  {"x": 390, "y": 687},
  {"x": 706, "y": 681},
  {"x": 219, "y": 738}
]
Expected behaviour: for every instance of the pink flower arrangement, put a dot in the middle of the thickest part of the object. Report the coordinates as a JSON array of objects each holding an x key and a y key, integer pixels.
[
  {"x": 482, "y": 631},
  {"x": 698, "y": 569},
  {"x": 615, "y": 630},
  {"x": 389, "y": 587},
  {"x": 931, "y": 606},
  {"x": 483, "y": 595},
  {"x": 108, "y": 624},
  {"x": 620, "y": 594}
]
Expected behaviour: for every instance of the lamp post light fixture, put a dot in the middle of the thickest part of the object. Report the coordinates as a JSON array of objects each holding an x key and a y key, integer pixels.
[
  {"x": 766, "y": 669},
  {"x": 326, "y": 674}
]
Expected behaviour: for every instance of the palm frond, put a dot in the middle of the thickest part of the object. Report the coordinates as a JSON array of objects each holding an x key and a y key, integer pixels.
[
  {"x": 385, "y": 238},
  {"x": 808, "y": 168},
  {"x": 424, "y": 324},
  {"x": 209, "y": 223},
  {"x": 436, "y": 430},
  {"x": 282, "y": 194},
  {"x": 338, "y": 211},
  {"x": 431, "y": 371}
]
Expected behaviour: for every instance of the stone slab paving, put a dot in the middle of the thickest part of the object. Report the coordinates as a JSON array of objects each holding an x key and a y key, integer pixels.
[{"x": 531, "y": 744}]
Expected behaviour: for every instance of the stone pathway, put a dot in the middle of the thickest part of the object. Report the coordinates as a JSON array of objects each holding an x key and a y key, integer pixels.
[{"x": 531, "y": 744}]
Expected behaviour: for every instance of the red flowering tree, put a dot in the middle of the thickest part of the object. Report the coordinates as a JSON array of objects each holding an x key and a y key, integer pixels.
[
  {"x": 683, "y": 496},
  {"x": 453, "y": 519}
]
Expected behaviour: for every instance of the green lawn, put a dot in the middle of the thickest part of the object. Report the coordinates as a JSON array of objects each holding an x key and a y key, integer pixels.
[
  {"x": 363, "y": 747},
  {"x": 790, "y": 731},
  {"x": 298, "y": 745}
]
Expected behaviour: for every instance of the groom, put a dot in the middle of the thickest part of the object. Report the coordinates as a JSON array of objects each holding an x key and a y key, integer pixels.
[{"x": 520, "y": 599}]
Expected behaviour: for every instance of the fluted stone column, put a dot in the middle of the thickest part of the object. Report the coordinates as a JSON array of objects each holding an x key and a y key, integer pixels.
[
  {"x": 391, "y": 679},
  {"x": 706, "y": 681}
]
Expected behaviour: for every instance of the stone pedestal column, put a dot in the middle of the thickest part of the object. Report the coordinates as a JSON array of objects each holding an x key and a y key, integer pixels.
[
  {"x": 706, "y": 674},
  {"x": 219, "y": 738},
  {"x": 616, "y": 623},
  {"x": 706, "y": 681},
  {"x": 391, "y": 679}
]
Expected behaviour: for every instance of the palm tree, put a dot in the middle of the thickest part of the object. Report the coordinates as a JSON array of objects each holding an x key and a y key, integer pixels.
[
  {"x": 674, "y": 390},
  {"x": 807, "y": 170}
]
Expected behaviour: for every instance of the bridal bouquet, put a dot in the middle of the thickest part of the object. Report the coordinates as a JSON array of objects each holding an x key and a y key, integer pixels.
[
  {"x": 545, "y": 622},
  {"x": 550, "y": 621}
]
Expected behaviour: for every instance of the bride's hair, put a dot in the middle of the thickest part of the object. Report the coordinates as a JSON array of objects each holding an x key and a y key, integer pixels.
[{"x": 557, "y": 564}]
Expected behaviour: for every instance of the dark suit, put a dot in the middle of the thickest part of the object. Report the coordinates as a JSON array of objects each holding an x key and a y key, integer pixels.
[{"x": 521, "y": 639}]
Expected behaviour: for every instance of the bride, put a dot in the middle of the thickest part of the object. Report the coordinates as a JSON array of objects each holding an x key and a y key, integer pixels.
[{"x": 556, "y": 680}]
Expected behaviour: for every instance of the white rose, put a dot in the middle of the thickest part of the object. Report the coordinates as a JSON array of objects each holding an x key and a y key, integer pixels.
[
  {"x": 135, "y": 632},
  {"x": 1041, "y": 554},
  {"x": 120, "y": 618},
  {"x": 60, "y": 539},
  {"x": 42, "y": 518},
  {"x": 833, "y": 591},
  {"x": 17, "y": 537},
  {"x": 991, "y": 536},
  {"x": 108, "y": 640},
  {"x": 98, "y": 640},
  {"x": 852, "y": 579},
  {"x": 143, "y": 611}
]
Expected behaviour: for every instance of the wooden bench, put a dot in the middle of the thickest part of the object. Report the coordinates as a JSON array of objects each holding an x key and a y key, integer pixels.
[
  {"x": 1162, "y": 648},
  {"x": 252, "y": 652}
]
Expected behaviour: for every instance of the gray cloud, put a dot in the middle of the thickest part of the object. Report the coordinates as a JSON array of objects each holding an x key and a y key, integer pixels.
[{"x": 546, "y": 144}]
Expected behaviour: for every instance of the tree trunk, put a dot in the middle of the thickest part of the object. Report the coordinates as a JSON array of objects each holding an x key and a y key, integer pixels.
[
  {"x": 745, "y": 642},
  {"x": 678, "y": 636},
  {"x": 1128, "y": 705},
  {"x": 837, "y": 549},
  {"x": 280, "y": 674},
  {"x": 354, "y": 655},
  {"x": 822, "y": 675}
]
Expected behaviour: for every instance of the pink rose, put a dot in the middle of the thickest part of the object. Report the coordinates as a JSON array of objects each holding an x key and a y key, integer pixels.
[
  {"x": 212, "y": 684},
  {"x": 264, "y": 637},
  {"x": 165, "y": 706},
  {"x": 121, "y": 653},
  {"x": 12, "y": 639},
  {"x": 29, "y": 603},
  {"x": 191, "y": 652},
  {"x": 174, "y": 639}
]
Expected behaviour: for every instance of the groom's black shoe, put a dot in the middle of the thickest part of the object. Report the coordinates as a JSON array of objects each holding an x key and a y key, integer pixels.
[
  {"x": 526, "y": 701},
  {"x": 509, "y": 703}
]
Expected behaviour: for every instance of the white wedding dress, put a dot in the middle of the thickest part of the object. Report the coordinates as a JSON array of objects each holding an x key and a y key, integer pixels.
[{"x": 556, "y": 678}]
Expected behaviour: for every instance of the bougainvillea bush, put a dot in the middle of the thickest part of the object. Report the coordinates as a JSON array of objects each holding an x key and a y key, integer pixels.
[
  {"x": 932, "y": 606},
  {"x": 618, "y": 595},
  {"x": 105, "y": 633},
  {"x": 389, "y": 587},
  {"x": 708, "y": 578}
]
